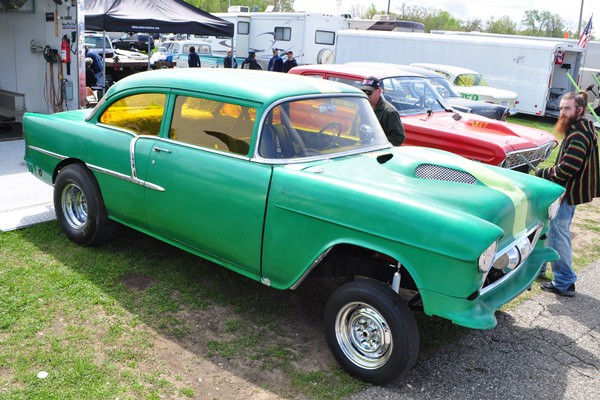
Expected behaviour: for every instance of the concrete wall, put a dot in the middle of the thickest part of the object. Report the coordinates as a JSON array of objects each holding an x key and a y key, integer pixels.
[{"x": 28, "y": 73}]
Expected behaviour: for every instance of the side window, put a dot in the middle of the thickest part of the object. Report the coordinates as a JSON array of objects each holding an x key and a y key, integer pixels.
[
  {"x": 325, "y": 37},
  {"x": 447, "y": 75},
  {"x": 347, "y": 81},
  {"x": 243, "y": 28},
  {"x": 140, "y": 113},
  {"x": 213, "y": 124},
  {"x": 283, "y": 33}
]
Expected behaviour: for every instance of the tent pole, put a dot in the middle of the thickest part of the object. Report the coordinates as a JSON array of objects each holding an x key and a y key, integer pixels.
[{"x": 104, "y": 85}]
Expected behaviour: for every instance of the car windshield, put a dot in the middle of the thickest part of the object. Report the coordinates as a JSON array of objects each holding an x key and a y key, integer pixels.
[
  {"x": 95, "y": 42},
  {"x": 470, "y": 80},
  {"x": 315, "y": 127},
  {"x": 443, "y": 87},
  {"x": 412, "y": 95}
]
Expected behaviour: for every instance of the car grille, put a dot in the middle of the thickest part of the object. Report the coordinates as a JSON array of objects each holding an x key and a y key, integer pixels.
[
  {"x": 530, "y": 156},
  {"x": 436, "y": 172}
]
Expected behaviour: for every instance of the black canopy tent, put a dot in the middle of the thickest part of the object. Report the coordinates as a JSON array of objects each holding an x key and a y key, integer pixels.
[{"x": 156, "y": 16}]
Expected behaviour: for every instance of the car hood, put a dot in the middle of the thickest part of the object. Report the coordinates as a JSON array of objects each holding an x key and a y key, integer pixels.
[
  {"x": 510, "y": 136},
  {"x": 402, "y": 194},
  {"x": 499, "y": 94}
]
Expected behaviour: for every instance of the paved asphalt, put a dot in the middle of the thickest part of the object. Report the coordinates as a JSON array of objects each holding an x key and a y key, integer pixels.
[{"x": 546, "y": 348}]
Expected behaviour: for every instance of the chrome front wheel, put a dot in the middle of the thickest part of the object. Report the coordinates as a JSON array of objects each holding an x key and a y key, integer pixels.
[
  {"x": 371, "y": 331},
  {"x": 364, "y": 335}
]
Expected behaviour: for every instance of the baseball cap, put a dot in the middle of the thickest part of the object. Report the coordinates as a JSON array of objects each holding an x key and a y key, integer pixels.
[{"x": 370, "y": 83}]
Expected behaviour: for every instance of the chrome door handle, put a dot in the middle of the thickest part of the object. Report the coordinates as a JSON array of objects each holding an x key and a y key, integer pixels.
[{"x": 159, "y": 149}]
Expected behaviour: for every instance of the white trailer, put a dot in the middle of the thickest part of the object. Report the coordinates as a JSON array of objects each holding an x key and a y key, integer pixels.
[
  {"x": 535, "y": 69},
  {"x": 589, "y": 66},
  {"x": 311, "y": 36}
]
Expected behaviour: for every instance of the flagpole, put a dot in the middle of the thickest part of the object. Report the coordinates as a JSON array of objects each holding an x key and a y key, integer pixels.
[{"x": 580, "y": 16}]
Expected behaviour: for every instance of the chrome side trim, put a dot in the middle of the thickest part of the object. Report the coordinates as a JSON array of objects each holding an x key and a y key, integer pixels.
[
  {"x": 118, "y": 175},
  {"x": 124, "y": 177},
  {"x": 48, "y": 153},
  {"x": 309, "y": 270}
]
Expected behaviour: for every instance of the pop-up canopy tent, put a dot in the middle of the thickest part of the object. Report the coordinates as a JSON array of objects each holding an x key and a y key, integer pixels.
[{"x": 156, "y": 16}]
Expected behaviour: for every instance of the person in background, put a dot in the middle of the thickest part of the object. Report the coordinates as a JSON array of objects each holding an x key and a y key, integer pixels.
[
  {"x": 229, "y": 61},
  {"x": 251, "y": 62},
  {"x": 290, "y": 62},
  {"x": 388, "y": 116},
  {"x": 90, "y": 77},
  {"x": 275, "y": 63},
  {"x": 193, "y": 58},
  {"x": 576, "y": 169},
  {"x": 97, "y": 66}
]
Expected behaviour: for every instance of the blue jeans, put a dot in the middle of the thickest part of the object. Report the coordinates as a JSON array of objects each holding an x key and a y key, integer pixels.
[{"x": 559, "y": 238}]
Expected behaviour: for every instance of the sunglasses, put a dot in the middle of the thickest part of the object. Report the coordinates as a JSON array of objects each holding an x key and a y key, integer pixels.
[{"x": 368, "y": 92}]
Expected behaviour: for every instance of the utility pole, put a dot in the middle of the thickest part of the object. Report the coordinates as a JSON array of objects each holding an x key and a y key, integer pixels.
[{"x": 580, "y": 15}]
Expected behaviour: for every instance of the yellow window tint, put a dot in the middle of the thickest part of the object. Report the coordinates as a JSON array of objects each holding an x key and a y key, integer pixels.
[
  {"x": 140, "y": 113},
  {"x": 213, "y": 124}
]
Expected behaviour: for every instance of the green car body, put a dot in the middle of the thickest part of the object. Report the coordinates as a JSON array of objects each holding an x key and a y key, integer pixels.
[{"x": 356, "y": 207}]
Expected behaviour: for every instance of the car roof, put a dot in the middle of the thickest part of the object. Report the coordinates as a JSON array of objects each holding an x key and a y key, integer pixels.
[
  {"x": 251, "y": 85},
  {"x": 380, "y": 70},
  {"x": 447, "y": 68}
]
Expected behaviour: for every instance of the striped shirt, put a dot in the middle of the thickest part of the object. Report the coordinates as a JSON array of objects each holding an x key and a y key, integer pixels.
[{"x": 576, "y": 166}]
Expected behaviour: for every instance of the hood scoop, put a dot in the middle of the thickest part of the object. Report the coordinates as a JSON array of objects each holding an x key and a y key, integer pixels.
[{"x": 436, "y": 172}]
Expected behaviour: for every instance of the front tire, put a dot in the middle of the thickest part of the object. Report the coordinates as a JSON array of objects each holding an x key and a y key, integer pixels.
[
  {"x": 79, "y": 206},
  {"x": 371, "y": 332}
]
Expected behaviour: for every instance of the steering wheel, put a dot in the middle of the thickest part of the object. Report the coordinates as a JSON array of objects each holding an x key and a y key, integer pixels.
[{"x": 322, "y": 137}]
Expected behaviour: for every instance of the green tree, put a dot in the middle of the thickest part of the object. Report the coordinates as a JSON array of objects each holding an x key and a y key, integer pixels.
[
  {"x": 502, "y": 25},
  {"x": 441, "y": 20},
  {"x": 472, "y": 25},
  {"x": 214, "y": 6}
]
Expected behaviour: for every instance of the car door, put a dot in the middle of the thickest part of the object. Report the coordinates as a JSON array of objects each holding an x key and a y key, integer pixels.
[
  {"x": 213, "y": 199},
  {"x": 123, "y": 135}
]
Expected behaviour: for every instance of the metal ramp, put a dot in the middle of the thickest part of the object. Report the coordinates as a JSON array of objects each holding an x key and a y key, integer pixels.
[{"x": 24, "y": 199}]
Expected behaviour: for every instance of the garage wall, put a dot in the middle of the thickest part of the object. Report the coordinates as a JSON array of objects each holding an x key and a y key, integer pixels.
[{"x": 24, "y": 72}]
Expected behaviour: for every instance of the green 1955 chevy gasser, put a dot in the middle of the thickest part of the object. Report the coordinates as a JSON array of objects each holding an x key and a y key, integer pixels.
[{"x": 282, "y": 178}]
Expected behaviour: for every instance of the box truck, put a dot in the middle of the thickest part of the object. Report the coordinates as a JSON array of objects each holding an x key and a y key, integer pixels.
[{"x": 535, "y": 69}]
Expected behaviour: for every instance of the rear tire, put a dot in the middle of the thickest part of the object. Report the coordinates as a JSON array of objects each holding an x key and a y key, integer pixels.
[
  {"x": 79, "y": 206},
  {"x": 371, "y": 332}
]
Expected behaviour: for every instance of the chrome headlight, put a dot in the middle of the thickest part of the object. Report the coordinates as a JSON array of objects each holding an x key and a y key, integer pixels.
[
  {"x": 553, "y": 209},
  {"x": 486, "y": 259}
]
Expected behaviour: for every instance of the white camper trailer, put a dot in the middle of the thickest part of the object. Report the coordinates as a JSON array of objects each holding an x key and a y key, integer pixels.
[
  {"x": 311, "y": 36},
  {"x": 535, "y": 69}
]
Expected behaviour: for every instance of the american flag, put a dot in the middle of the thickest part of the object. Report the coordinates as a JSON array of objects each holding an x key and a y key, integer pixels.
[{"x": 585, "y": 35}]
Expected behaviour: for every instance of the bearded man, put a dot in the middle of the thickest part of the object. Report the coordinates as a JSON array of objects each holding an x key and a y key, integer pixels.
[{"x": 576, "y": 169}]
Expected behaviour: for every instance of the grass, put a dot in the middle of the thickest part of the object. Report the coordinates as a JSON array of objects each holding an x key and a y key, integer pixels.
[{"x": 90, "y": 318}]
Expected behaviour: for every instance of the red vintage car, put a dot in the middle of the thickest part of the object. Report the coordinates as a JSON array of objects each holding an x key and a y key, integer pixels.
[{"x": 429, "y": 121}]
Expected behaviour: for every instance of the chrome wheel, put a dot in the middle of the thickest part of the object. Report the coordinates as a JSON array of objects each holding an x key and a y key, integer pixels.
[
  {"x": 363, "y": 335},
  {"x": 74, "y": 206}
]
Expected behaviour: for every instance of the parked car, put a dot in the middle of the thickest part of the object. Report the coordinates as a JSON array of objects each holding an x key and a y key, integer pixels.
[
  {"x": 430, "y": 121},
  {"x": 471, "y": 85},
  {"x": 455, "y": 100},
  {"x": 136, "y": 41},
  {"x": 177, "y": 51},
  {"x": 294, "y": 181},
  {"x": 98, "y": 43}
]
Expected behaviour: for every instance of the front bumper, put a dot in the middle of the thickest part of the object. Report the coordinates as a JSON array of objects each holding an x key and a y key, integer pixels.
[{"x": 479, "y": 313}]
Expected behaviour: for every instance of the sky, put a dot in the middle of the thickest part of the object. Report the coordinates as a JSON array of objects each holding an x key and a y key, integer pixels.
[{"x": 470, "y": 9}]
